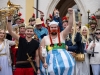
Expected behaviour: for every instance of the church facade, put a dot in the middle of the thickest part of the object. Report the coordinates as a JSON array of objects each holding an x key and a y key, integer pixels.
[{"x": 47, "y": 7}]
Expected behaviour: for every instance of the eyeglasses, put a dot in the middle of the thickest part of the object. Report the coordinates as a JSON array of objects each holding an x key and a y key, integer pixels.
[{"x": 97, "y": 33}]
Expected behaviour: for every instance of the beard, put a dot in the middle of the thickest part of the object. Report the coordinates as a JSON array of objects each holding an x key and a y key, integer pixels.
[
  {"x": 93, "y": 27},
  {"x": 54, "y": 32}
]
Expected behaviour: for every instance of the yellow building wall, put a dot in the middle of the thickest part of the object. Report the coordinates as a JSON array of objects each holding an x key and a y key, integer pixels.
[{"x": 29, "y": 10}]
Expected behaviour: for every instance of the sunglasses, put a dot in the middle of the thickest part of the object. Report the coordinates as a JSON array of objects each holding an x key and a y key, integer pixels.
[{"x": 97, "y": 33}]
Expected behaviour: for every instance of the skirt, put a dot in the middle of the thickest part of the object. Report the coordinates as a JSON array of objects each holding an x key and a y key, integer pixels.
[
  {"x": 6, "y": 69},
  {"x": 60, "y": 62},
  {"x": 83, "y": 68}
]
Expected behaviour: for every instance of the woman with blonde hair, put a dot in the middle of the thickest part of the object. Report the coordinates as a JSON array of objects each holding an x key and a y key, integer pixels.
[
  {"x": 70, "y": 42},
  {"x": 5, "y": 59},
  {"x": 82, "y": 67},
  {"x": 85, "y": 34}
]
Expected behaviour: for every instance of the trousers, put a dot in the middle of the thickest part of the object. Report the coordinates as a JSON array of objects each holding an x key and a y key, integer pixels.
[
  {"x": 24, "y": 71},
  {"x": 95, "y": 69}
]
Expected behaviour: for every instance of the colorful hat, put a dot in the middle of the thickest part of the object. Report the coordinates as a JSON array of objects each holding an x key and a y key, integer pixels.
[
  {"x": 53, "y": 22},
  {"x": 22, "y": 20},
  {"x": 16, "y": 17},
  {"x": 38, "y": 21},
  {"x": 32, "y": 18},
  {"x": 50, "y": 17},
  {"x": 93, "y": 20},
  {"x": 65, "y": 19}
]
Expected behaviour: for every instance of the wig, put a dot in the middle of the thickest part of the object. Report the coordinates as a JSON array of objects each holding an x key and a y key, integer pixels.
[
  {"x": 74, "y": 28},
  {"x": 85, "y": 38},
  {"x": 59, "y": 41}
]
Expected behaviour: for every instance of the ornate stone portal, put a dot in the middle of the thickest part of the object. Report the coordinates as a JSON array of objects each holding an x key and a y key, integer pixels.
[{"x": 84, "y": 6}]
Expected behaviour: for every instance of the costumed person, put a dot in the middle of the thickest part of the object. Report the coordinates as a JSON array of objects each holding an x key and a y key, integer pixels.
[
  {"x": 94, "y": 50},
  {"x": 92, "y": 29},
  {"x": 72, "y": 38},
  {"x": 27, "y": 51},
  {"x": 42, "y": 18},
  {"x": 39, "y": 30},
  {"x": 14, "y": 48},
  {"x": 93, "y": 25},
  {"x": 5, "y": 58},
  {"x": 22, "y": 30},
  {"x": 32, "y": 20},
  {"x": 58, "y": 61},
  {"x": 48, "y": 20},
  {"x": 64, "y": 22},
  {"x": 82, "y": 65},
  {"x": 17, "y": 20},
  {"x": 56, "y": 17},
  {"x": 70, "y": 42}
]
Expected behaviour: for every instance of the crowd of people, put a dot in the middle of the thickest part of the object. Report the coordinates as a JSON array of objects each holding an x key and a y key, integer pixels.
[{"x": 57, "y": 47}]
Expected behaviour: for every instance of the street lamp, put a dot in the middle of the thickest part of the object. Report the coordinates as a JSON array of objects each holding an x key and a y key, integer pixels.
[{"x": 88, "y": 15}]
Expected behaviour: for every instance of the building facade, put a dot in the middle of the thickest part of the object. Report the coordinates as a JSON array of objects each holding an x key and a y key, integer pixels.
[{"x": 47, "y": 6}]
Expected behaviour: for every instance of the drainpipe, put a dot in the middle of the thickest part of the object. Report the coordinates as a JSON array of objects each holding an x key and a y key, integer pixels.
[{"x": 37, "y": 4}]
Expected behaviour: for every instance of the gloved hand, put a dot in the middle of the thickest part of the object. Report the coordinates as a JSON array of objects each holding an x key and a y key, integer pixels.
[{"x": 44, "y": 52}]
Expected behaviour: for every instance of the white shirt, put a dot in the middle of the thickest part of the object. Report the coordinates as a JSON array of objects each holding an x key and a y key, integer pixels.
[{"x": 96, "y": 58}]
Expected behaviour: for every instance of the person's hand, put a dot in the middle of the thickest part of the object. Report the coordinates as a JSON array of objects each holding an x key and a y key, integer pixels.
[
  {"x": 10, "y": 17},
  {"x": 44, "y": 52},
  {"x": 77, "y": 29},
  {"x": 45, "y": 65},
  {"x": 92, "y": 46},
  {"x": 70, "y": 10},
  {"x": 66, "y": 47},
  {"x": 73, "y": 54},
  {"x": 56, "y": 12},
  {"x": 14, "y": 67},
  {"x": 0, "y": 68},
  {"x": 79, "y": 23},
  {"x": 38, "y": 72}
]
